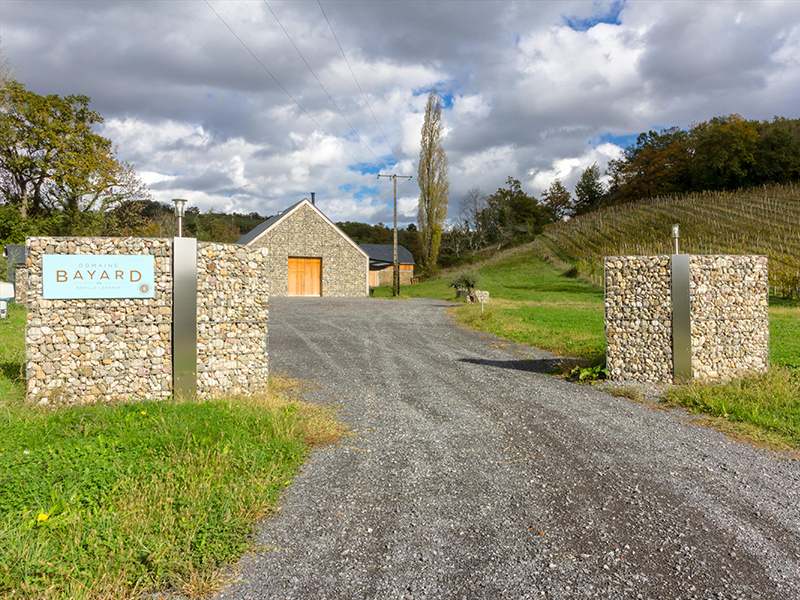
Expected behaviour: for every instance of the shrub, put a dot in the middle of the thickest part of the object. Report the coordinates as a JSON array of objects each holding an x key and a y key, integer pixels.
[{"x": 465, "y": 281}]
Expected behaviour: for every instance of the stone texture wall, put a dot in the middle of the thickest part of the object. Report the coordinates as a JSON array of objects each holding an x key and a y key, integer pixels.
[
  {"x": 21, "y": 285},
  {"x": 86, "y": 351},
  {"x": 109, "y": 350},
  {"x": 728, "y": 299},
  {"x": 305, "y": 233},
  {"x": 232, "y": 312},
  {"x": 638, "y": 309},
  {"x": 728, "y": 317}
]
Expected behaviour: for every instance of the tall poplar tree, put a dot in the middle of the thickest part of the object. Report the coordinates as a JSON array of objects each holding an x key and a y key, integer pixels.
[{"x": 433, "y": 184}]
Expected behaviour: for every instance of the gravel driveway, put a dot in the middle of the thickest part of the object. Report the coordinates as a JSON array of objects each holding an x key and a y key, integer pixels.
[{"x": 472, "y": 475}]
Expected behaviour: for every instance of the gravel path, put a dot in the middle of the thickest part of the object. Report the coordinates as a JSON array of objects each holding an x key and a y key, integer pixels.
[{"x": 472, "y": 475}]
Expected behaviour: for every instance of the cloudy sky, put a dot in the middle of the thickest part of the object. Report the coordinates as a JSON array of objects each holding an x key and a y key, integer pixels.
[{"x": 535, "y": 90}]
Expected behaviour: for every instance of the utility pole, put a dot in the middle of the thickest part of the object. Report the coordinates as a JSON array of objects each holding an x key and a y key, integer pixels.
[{"x": 396, "y": 260}]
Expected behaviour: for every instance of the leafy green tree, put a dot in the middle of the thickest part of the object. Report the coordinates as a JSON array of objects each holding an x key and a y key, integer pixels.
[
  {"x": 589, "y": 191},
  {"x": 511, "y": 215},
  {"x": 433, "y": 184},
  {"x": 558, "y": 200},
  {"x": 52, "y": 160},
  {"x": 656, "y": 165},
  {"x": 777, "y": 154},
  {"x": 724, "y": 153}
]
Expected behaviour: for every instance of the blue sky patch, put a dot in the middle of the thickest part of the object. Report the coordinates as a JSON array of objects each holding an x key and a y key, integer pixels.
[
  {"x": 444, "y": 93},
  {"x": 623, "y": 139},
  {"x": 373, "y": 168},
  {"x": 365, "y": 191},
  {"x": 610, "y": 16}
]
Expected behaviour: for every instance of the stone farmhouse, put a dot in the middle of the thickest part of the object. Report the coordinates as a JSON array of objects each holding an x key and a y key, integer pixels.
[
  {"x": 309, "y": 255},
  {"x": 381, "y": 263}
]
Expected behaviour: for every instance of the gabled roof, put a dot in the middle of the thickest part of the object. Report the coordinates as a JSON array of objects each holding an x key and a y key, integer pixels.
[
  {"x": 260, "y": 229},
  {"x": 264, "y": 225},
  {"x": 383, "y": 253}
]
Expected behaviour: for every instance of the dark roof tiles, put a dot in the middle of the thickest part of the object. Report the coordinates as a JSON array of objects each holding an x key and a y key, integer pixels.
[{"x": 383, "y": 253}]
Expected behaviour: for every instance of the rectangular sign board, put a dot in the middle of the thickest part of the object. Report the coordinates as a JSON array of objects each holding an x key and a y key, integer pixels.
[{"x": 70, "y": 276}]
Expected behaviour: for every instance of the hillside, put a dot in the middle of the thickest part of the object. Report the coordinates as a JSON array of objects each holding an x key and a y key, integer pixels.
[{"x": 763, "y": 220}]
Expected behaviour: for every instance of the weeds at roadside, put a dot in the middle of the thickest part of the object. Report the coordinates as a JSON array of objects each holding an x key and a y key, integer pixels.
[
  {"x": 625, "y": 391},
  {"x": 762, "y": 407}
]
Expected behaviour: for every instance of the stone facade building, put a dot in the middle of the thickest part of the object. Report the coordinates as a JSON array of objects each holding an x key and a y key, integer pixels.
[
  {"x": 83, "y": 351},
  {"x": 727, "y": 321},
  {"x": 309, "y": 254}
]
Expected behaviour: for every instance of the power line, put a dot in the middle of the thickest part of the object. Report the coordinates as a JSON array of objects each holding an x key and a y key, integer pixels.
[
  {"x": 264, "y": 67},
  {"x": 352, "y": 73},
  {"x": 319, "y": 81}
]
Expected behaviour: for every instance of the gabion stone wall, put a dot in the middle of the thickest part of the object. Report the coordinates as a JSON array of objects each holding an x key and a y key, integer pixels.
[
  {"x": 638, "y": 318},
  {"x": 87, "y": 351},
  {"x": 305, "y": 233},
  {"x": 728, "y": 297},
  {"x": 729, "y": 327},
  {"x": 21, "y": 285},
  {"x": 232, "y": 310}
]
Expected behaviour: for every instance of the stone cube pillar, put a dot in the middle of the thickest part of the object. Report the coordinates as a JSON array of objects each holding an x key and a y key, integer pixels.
[{"x": 686, "y": 317}]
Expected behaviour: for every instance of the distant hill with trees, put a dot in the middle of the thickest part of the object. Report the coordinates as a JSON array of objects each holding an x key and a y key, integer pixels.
[
  {"x": 725, "y": 153},
  {"x": 672, "y": 166},
  {"x": 757, "y": 220}
]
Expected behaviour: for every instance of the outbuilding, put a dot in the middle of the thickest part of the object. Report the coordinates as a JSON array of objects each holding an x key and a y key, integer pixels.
[
  {"x": 381, "y": 264},
  {"x": 309, "y": 255}
]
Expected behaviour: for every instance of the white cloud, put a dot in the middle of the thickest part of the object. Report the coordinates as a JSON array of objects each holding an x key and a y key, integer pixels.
[
  {"x": 569, "y": 169},
  {"x": 199, "y": 118}
]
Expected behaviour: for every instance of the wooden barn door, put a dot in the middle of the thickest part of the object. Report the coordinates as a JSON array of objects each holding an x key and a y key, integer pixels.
[{"x": 305, "y": 276}]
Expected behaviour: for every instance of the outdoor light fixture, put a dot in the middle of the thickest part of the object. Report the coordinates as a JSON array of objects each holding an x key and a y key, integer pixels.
[
  {"x": 180, "y": 210},
  {"x": 676, "y": 234}
]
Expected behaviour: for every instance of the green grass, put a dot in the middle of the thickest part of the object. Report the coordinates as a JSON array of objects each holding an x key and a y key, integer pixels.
[
  {"x": 12, "y": 355},
  {"x": 116, "y": 501},
  {"x": 784, "y": 334},
  {"x": 531, "y": 303},
  {"x": 766, "y": 406}
]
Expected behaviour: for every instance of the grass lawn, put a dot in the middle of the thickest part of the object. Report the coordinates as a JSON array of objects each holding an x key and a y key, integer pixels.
[
  {"x": 534, "y": 303},
  {"x": 116, "y": 501},
  {"x": 765, "y": 408}
]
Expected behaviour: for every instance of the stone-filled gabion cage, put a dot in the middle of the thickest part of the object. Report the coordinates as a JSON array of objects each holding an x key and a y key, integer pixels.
[
  {"x": 85, "y": 351},
  {"x": 686, "y": 317}
]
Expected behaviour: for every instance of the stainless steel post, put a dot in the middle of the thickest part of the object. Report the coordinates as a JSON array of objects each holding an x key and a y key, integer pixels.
[
  {"x": 184, "y": 318},
  {"x": 676, "y": 235},
  {"x": 681, "y": 319}
]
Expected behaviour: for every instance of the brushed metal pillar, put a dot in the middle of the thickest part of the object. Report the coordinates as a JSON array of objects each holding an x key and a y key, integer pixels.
[
  {"x": 681, "y": 319},
  {"x": 184, "y": 318}
]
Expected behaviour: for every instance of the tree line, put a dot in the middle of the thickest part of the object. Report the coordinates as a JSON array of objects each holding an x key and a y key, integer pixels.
[
  {"x": 60, "y": 177},
  {"x": 724, "y": 153}
]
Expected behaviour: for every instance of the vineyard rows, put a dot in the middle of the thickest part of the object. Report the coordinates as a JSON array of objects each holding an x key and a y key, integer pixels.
[{"x": 764, "y": 220}]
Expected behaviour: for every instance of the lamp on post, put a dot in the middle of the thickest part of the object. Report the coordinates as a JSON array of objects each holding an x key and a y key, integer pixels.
[
  {"x": 180, "y": 210},
  {"x": 676, "y": 234}
]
